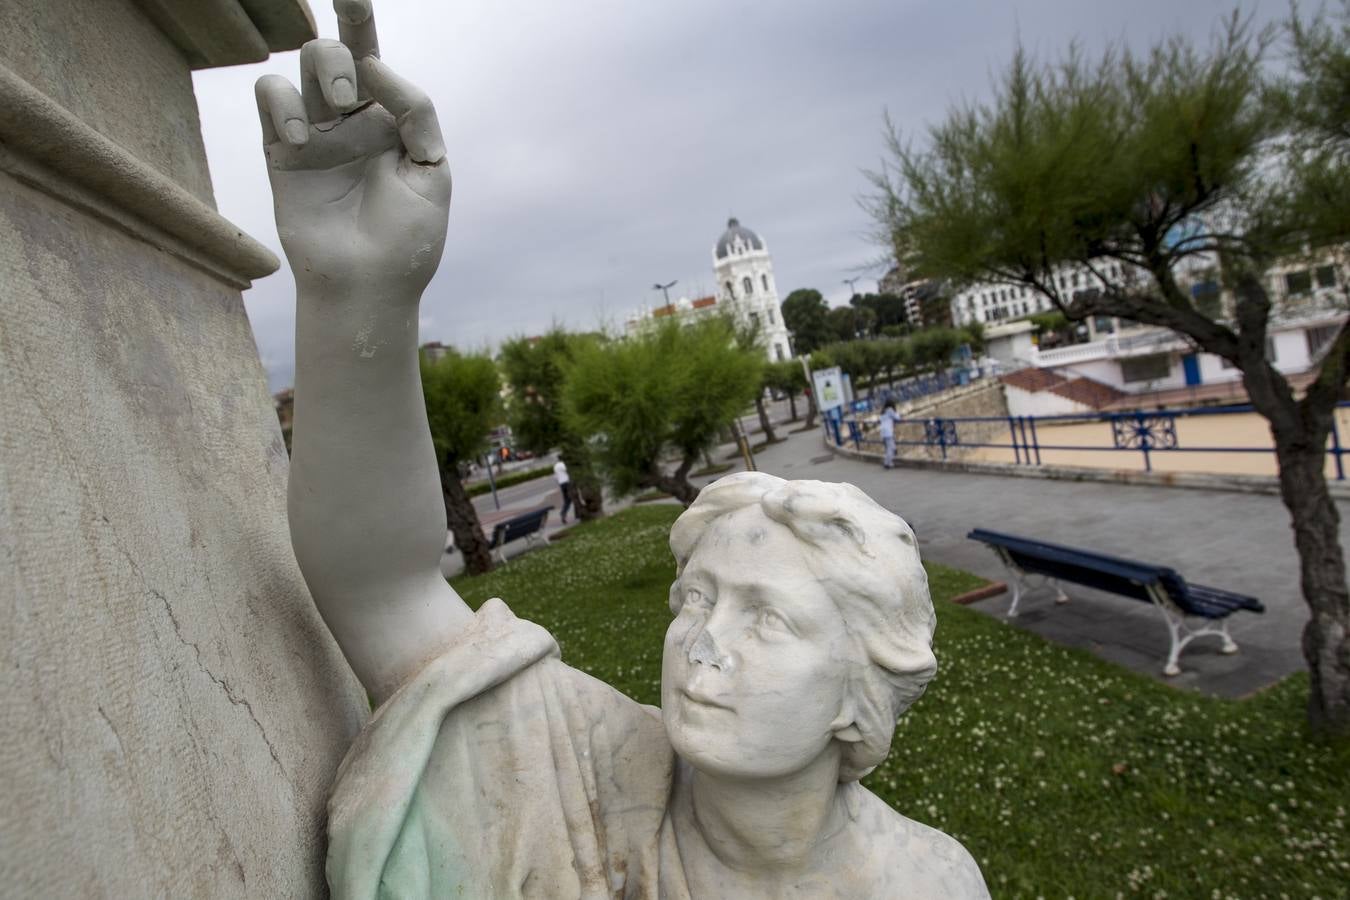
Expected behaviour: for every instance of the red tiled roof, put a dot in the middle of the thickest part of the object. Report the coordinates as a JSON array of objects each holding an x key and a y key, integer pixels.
[
  {"x": 660, "y": 311},
  {"x": 1032, "y": 379},
  {"x": 1088, "y": 392},
  {"x": 703, "y": 302}
]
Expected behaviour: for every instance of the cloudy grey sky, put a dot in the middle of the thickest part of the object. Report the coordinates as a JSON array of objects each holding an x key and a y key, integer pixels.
[{"x": 600, "y": 145}]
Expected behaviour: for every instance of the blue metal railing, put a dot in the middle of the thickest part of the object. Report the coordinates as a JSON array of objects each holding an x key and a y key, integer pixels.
[{"x": 1145, "y": 432}]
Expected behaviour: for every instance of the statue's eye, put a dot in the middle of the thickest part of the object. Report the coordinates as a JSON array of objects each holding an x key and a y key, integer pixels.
[
  {"x": 695, "y": 597},
  {"x": 772, "y": 621}
]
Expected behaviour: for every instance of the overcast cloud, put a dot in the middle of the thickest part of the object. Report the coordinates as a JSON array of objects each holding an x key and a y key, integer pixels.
[{"x": 598, "y": 145}]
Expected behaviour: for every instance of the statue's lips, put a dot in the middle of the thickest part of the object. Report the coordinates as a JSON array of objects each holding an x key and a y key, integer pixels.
[{"x": 701, "y": 700}]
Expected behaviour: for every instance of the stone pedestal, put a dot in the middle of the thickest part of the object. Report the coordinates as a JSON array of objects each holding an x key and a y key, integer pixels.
[{"x": 174, "y": 709}]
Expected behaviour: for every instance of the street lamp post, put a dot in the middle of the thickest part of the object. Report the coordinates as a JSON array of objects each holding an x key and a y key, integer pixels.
[
  {"x": 852, "y": 292},
  {"x": 665, "y": 289}
]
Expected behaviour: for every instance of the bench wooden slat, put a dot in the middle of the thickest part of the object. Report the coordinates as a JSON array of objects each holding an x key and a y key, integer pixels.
[{"x": 519, "y": 527}]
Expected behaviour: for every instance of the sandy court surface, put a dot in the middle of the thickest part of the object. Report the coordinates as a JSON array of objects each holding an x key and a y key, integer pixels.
[{"x": 1093, "y": 447}]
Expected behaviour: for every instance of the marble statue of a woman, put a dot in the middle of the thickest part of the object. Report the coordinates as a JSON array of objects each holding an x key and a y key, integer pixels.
[{"x": 802, "y": 623}]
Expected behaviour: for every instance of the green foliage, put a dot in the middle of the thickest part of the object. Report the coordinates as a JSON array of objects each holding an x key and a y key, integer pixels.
[
  {"x": 534, "y": 369},
  {"x": 1080, "y": 160},
  {"x": 1311, "y": 202},
  {"x": 786, "y": 376},
  {"x": 804, "y": 314},
  {"x": 888, "y": 310},
  {"x": 1050, "y": 321},
  {"x": 669, "y": 390},
  {"x": 973, "y": 334},
  {"x": 933, "y": 347},
  {"x": 462, "y": 394},
  {"x": 1064, "y": 775},
  {"x": 848, "y": 323}
]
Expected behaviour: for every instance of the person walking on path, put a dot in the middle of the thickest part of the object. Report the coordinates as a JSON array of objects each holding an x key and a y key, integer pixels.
[
  {"x": 565, "y": 485},
  {"x": 888, "y": 420}
]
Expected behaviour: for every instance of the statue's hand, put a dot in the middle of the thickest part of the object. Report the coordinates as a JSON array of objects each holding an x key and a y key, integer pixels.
[{"x": 362, "y": 189}]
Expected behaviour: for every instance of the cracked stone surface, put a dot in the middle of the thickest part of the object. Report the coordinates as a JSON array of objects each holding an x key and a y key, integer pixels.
[{"x": 174, "y": 709}]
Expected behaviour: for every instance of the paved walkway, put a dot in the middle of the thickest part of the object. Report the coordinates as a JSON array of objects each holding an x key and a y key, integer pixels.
[{"x": 1228, "y": 540}]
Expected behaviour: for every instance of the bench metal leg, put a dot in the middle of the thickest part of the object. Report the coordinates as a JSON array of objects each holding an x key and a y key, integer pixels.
[
  {"x": 1182, "y": 634},
  {"x": 1021, "y": 580}
]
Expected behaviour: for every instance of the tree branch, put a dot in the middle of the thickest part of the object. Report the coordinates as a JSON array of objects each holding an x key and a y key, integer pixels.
[{"x": 1326, "y": 390}]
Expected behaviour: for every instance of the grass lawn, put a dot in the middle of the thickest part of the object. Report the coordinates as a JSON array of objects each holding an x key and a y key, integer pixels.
[{"x": 1063, "y": 775}]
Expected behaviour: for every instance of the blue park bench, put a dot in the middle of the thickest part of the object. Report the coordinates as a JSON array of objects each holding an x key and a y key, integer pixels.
[
  {"x": 1175, "y": 597},
  {"x": 528, "y": 525}
]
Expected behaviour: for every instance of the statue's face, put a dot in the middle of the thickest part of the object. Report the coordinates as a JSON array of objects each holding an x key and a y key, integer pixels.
[{"x": 757, "y": 661}]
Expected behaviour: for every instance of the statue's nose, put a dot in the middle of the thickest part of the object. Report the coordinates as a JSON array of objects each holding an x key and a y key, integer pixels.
[{"x": 705, "y": 652}]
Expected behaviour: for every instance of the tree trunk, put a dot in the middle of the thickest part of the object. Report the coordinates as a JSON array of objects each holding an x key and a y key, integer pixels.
[
  {"x": 810, "y": 410},
  {"x": 1300, "y": 430},
  {"x": 792, "y": 404},
  {"x": 463, "y": 521},
  {"x": 676, "y": 483},
  {"x": 590, "y": 497},
  {"x": 588, "y": 491},
  {"x": 1322, "y": 577},
  {"x": 764, "y": 424}
]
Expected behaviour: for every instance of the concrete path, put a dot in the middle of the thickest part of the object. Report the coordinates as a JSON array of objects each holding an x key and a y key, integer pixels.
[{"x": 1237, "y": 541}]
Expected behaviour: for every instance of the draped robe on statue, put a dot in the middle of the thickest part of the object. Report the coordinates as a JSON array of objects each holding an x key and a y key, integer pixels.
[{"x": 498, "y": 771}]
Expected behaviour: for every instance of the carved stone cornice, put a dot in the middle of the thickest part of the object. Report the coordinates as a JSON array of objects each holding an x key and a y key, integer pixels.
[{"x": 45, "y": 144}]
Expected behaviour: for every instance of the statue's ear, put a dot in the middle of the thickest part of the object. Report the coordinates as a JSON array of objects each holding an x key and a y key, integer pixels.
[
  {"x": 849, "y": 734},
  {"x": 845, "y": 725}
]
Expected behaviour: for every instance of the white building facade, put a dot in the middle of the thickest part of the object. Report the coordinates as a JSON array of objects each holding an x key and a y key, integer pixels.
[
  {"x": 745, "y": 281},
  {"x": 1309, "y": 306}
]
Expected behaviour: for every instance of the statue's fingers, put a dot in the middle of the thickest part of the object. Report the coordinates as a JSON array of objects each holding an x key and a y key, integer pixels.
[
  {"x": 327, "y": 79},
  {"x": 356, "y": 27},
  {"x": 411, "y": 107},
  {"x": 281, "y": 111}
]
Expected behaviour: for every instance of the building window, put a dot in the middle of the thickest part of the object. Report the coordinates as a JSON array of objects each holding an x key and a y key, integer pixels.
[
  {"x": 1297, "y": 283},
  {"x": 1145, "y": 368},
  {"x": 754, "y": 321},
  {"x": 748, "y": 285},
  {"x": 771, "y": 319},
  {"x": 1103, "y": 324},
  {"x": 1319, "y": 338},
  {"x": 1326, "y": 276},
  {"x": 764, "y": 280},
  {"x": 778, "y": 351},
  {"x": 731, "y": 290}
]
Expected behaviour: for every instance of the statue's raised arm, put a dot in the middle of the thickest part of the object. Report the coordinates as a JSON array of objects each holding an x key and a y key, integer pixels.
[{"x": 362, "y": 193}]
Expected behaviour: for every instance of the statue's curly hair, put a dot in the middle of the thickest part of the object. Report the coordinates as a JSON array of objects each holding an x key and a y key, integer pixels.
[{"x": 868, "y": 560}]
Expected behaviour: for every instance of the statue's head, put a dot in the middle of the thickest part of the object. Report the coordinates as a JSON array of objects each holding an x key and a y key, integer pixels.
[{"x": 802, "y": 619}]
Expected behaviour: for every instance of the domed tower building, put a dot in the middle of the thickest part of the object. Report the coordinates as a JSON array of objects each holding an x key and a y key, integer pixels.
[{"x": 745, "y": 279}]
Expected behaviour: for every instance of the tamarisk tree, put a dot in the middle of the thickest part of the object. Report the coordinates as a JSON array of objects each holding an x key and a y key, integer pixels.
[
  {"x": 661, "y": 396},
  {"x": 1143, "y": 169}
]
